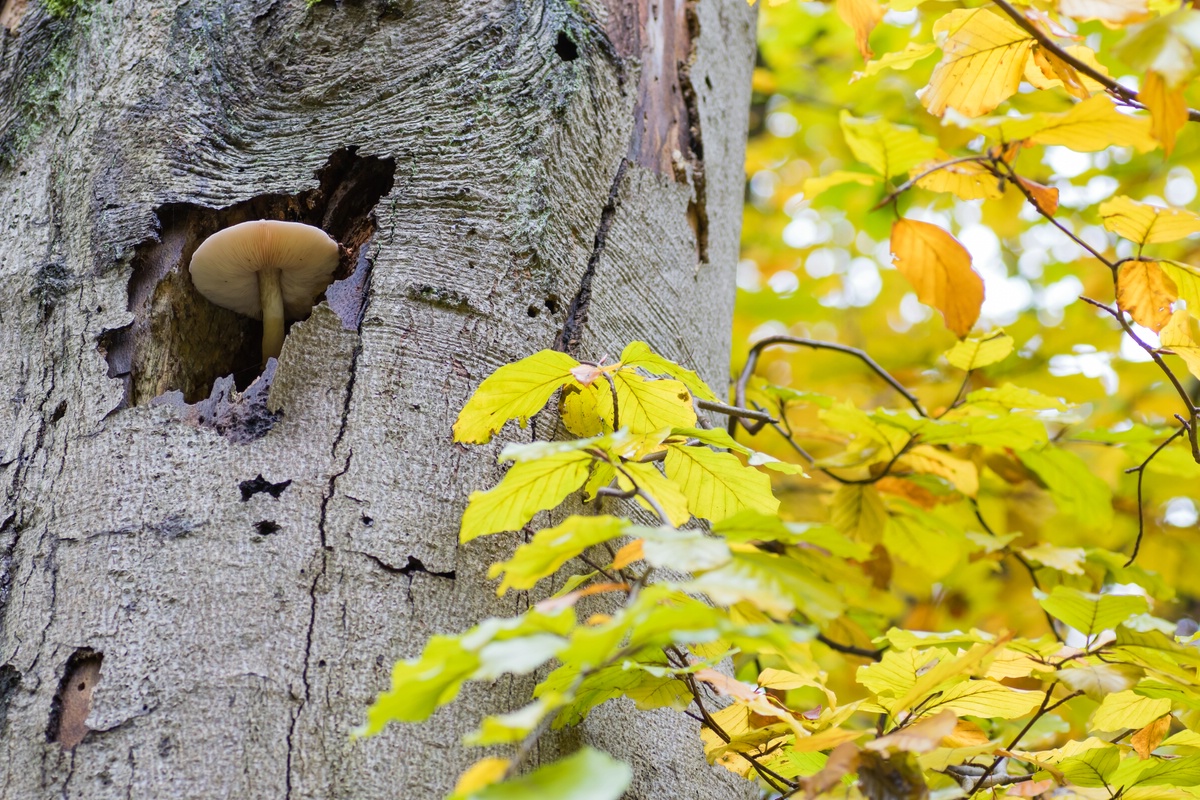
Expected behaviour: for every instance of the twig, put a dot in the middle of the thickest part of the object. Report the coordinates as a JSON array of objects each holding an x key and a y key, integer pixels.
[
  {"x": 1044, "y": 41},
  {"x": 1140, "y": 469},
  {"x": 849, "y": 649},
  {"x": 1044, "y": 709},
  {"x": 911, "y": 182},
  {"x": 795, "y": 341},
  {"x": 734, "y": 411}
]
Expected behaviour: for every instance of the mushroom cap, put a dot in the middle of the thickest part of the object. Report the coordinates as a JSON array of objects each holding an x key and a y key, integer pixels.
[{"x": 225, "y": 266}]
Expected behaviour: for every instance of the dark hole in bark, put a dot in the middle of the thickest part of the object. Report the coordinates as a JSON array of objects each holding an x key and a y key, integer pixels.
[
  {"x": 368, "y": 521},
  {"x": 10, "y": 679},
  {"x": 552, "y": 303},
  {"x": 533, "y": 311},
  {"x": 266, "y": 527},
  {"x": 567, "y": 50},
  {"x": 60, "y": 411},
  {"x": 73, "y": 701},
  {"x": 261, "y": 485},
  {"x": 179, "y": 341}
]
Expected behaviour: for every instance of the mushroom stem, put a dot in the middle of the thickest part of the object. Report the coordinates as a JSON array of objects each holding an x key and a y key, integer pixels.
[{"x": 271, "y": 296}]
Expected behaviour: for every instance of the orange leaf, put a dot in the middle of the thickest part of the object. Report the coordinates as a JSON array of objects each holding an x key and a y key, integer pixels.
[
  {"x": 1055, "y": 69},
  {"x": 1168, "y": 109},
  {"x": 628, "y": 554},
  {"x": 553, "y": 604},
  {"x": 842, "y": 761},
  {"x": 920, "y": 737},
  {"x": 1151, "y": 736},
  {"x": 984, "y": 57},
  {"x": 1029, "y": 788},
  {"x": 863, "y": 16},
  {"x": 1044, "y": 197},
  {"x": 1146, "y": 292},
  {"x": 939, "y": 268},
  {"x": 918, "y": 495}
]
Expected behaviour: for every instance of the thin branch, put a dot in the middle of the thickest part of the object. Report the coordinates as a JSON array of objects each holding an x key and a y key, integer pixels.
[
  {"x": 1044, "y": 709},
  {"x": 911, "y": 182},
  {"x": 1140, "y": 469},
  {"x": 734, "y": 411},
  {"x": 1012, "y": 177},
  {"x": 1047, "y": 44},
  {"x": 795, "y": 341},
  {"x": 848, "y": 649},
  {"x": 612, "y": 385}
]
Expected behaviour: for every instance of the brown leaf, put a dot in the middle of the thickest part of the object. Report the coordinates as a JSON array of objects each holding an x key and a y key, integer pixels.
[
  {"x": 920, "y": 737},
  {"x": 1146, "y": 292},
  {"x": 917, "y": 495},
  {"x": 939, "y": 268},
  {"x": 842, "y": 761},
  {"x": 1148, "y": 738}
]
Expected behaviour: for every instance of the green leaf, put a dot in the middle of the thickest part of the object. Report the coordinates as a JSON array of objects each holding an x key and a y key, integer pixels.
[
  {"x": 885, "y": 147},
  {"x": 776, "y": 585},
  {"x": 1091, "y": 613},
  {"x": 1016, "y": 398},
  {"x": 513, "y": 726},
  {"x": 552, "y": 547},
  {"x": 1076, "y": 488},
  {"x": 1134, "y": 772},
  {"x": 665, "y": 491},
  {"x": 587, "y": 775},
  {"x": 527, "y": 488},
  {"x": 421, "y": 685},
  {"x": 515, "y": 391},
  {"x": 716, "y": 437},
  {"x": 639, "y": 354},
  {"x": 962, "y": 427},
  {"x": 972, "y": 354},
  {"x": 925, "y": 542},
  {"x": 645, "y": 405},
  {"x": 1128, "y": 710},
  {"x": 718, "y": 485},
  {"x": 1092, "y": 769}
]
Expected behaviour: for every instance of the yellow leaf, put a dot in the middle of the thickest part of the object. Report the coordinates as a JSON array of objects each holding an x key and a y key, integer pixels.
[
  {"x": 666, "y": 492},
  {"x": 1146, "y": 292},
  {"x": 1090, "y": 126},
  {"x": 515, "y": 391},
  {"x": 479, "y": 775},
  {"x": 1151, "y": 736},
  {"x": 887, "y": 148},
  {"x": 1146, "y": 224},
  {"x": 939, "y": 268},
  {"x": 816, "y": 186},
  {"x": 1046, "y": 70},
  {"x": 1167, "y": 106},
  {"x": 984, "y": 698},
  {"x": 983, "y": 61},
  {"x": 966, "y": 734},
  {"x": 1128, "y": 710},
  {"x": 969, "y": 180},
  {"x": 1165, "y": 45},
  {"x": 587, "y": 410},
  {"x": 899, "y": 60},
  {"x": 527, "y": 488},
  {"x": 972, "y": 354},
  {"x": 650, "y": 405},
  {"x": 718, "y": 485},
  {"x": 1182, "y": 337},
  {"x": 962, "y": 475},
  {"x": 1187, "y": 283},
  {"x": 863, "y": 16},
  {"x": 1068, "y": 560},
  {"x": 1111, "y": 12},
  {"x": 859, "y": 512}
]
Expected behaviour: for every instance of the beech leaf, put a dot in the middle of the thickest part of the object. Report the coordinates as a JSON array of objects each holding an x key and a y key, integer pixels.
[{"x": 939, "y": 268}]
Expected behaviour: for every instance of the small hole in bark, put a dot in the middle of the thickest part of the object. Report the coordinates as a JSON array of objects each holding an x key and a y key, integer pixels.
[
  {"x": 73, "y": 701},
  {"x": 186, "y": 350},
  {"x": 708, "y": 82},
  {"x": 59, "y": 412},
  {"x": 533, "y": 311},
  {"x": 266, "y": 527},
  {"x": 566, "y": 49},
  {"x": 261, "y": 485},
  {"x": 552, "y": 303},
  {"x": 368, "y": 521}
]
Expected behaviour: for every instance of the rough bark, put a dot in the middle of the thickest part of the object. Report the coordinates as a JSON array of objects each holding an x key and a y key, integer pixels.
[{"x": 204, "y": 580}]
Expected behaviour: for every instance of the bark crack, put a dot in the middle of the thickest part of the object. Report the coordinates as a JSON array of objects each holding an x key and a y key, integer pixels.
[
  {"x": 569, "y": 337},
  {"x": 698, "y": 206}
]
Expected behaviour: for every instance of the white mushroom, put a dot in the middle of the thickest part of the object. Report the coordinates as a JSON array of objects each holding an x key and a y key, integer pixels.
[{"x": 266, "y": 269}]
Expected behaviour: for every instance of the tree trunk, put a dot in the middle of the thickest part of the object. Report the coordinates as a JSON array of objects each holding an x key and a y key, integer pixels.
[{"x": 205, "y": 580}]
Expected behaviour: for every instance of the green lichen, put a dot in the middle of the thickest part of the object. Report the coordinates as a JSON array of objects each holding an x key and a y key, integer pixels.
[
  {"x": 39, "y": 93},
  {"x": 60, "y": 8}
]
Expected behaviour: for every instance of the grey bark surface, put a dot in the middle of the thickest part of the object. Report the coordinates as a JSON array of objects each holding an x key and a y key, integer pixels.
[{"x": 241, "y": 637}]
